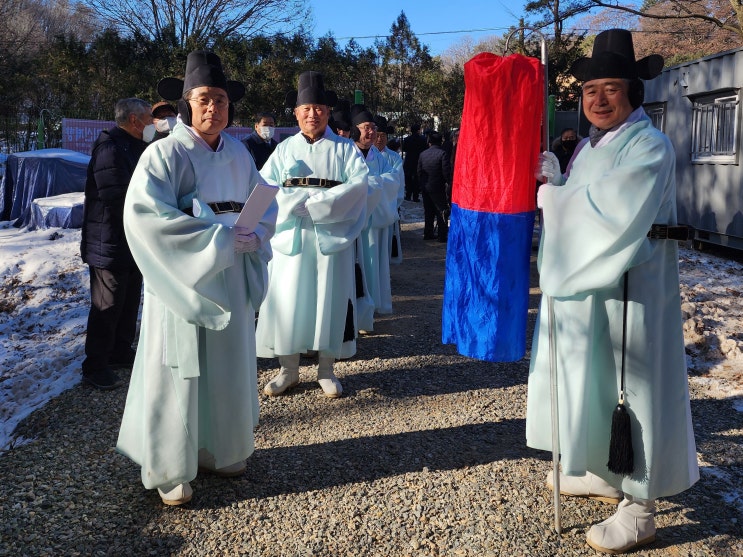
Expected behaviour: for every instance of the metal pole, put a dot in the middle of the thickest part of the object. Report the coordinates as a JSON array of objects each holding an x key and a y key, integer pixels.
[
  {"x": 552, "y": 341},
  {"x": 555, "y": 416},
  {"x": 550, "y": 314}
]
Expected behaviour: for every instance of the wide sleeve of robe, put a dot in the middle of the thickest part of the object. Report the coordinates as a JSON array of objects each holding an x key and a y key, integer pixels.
[
  {"x": 386, "y": 179},
  {"x": 337, "y": 213},
  {"x": 595, "y": 226},
  {"x": 396, "y": 162},
  {"x": 183, "y": 258}
]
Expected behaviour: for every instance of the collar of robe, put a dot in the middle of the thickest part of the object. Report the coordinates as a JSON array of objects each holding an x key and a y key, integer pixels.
[{"x": 595, "y": 135}]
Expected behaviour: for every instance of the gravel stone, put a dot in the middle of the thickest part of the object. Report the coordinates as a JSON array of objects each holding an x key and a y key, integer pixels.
[{"x": 424, "y": 455}]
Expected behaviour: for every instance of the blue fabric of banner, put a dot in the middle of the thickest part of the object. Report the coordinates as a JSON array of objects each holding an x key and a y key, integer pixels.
[{"x": 486, "y": 291}]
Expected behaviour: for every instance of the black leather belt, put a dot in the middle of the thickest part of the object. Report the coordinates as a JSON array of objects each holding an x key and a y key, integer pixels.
[
  {"x": 681, "y": 232},
  {"x": 220, "y": 207},
  {"x": 315, "y": 182}
]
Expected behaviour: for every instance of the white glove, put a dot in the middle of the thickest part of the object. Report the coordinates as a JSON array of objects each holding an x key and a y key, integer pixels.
[
  {"x": 246, "y": 242},
  {"x": 548, "y": 167},
  {"x": 543, "y": 191},
  {"x": 301, "y": 210}
]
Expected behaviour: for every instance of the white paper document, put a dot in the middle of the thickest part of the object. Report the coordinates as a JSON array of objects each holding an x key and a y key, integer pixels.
[{"x": 256, "y": 205}]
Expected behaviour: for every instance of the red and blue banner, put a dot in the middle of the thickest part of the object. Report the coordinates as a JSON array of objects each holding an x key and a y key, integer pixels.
[{"x": 486, "y": 292}]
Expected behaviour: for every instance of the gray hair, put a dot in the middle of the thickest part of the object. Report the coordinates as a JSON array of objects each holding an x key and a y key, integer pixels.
[{"x": 126, "y": 107}]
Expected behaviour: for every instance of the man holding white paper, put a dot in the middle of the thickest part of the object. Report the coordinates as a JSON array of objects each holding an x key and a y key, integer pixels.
[
  {"x": 193, "y": 397},
  {"x": 311, "y": 300}
]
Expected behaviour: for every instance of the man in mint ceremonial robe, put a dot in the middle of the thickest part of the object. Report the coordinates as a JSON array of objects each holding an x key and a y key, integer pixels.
[
  {"x": 311, "y": 299},
  {"x": 396, "y": 162},
  {"x": 597, "y": 234},
  {"x": 193, "y": 398},
  {"x": 375, "y": 241}
]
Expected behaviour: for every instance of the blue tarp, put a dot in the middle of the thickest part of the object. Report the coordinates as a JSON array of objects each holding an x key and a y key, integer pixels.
[
  {"x": 36, "y": 174},
  {"x": 58, "y": 211}
]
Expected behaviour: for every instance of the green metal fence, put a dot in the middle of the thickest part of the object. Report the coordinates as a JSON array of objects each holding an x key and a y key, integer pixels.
[{"x": 28, "y": 133}]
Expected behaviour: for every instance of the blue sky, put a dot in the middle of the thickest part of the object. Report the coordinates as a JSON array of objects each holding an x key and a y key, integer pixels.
[{"x": 440, "y": 18}]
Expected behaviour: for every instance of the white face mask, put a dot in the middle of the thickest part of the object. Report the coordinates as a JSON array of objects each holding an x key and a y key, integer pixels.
[
  {"x": 266, "y": 132},
  {"x": 148, "y": 133},
  {"x": 164, "y": 125}
]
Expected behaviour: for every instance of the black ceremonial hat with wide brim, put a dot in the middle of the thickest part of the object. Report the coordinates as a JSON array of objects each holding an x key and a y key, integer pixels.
[
  {"x": 613, "y": 56},
  {"x": 360, "y": 114},
  {"x": 310, "y": 90},
  {"x": 203, "y": 69},
  {"x": 382, "y": 125},
  {"x": 341, "y": 115}
]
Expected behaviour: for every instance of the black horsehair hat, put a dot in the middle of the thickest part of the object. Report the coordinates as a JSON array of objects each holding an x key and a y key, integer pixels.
[
  {"x": 203, "y": 69},
  {"x": 310, "y": 90},
  {"x": 614, "y": 56},
  {"x": 382, "y": 125},
  {"x": 360, "y": 114},
  {"x": 341, "y": 115}
]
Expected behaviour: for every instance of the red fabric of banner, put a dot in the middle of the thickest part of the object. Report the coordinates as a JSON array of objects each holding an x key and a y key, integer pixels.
[{"x": 499, "y": 140}]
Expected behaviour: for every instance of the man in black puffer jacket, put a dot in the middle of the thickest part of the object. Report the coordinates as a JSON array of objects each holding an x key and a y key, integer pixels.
[{"x": 115, "y": 280}]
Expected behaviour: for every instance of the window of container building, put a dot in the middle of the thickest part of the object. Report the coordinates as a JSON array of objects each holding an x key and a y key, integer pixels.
[{"x": 714, "y": 131}]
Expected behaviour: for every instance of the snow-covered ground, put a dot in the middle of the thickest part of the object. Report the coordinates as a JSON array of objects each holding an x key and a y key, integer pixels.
[
  {"x": 44, "y": 306},
  {"x": 44, "y": 301}
]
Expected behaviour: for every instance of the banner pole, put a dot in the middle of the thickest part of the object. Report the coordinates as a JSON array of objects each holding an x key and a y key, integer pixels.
[{"x": 550, "y": 307}]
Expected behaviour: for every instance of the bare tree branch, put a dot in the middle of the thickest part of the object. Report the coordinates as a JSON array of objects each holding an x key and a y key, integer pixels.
[
  {"x": 200, "y": 21},
  {"x": 683, "y": 10}
]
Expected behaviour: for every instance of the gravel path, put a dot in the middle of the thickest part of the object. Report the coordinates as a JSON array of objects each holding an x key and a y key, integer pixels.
[{"x": 424, "y": 455}]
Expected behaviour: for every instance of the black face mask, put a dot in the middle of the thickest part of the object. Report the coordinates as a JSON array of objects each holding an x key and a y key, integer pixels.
[{"x": 569, "y": 144}]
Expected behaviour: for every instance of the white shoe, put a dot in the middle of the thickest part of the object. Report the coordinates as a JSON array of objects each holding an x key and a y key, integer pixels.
[
  {"x": 287, "y": 378},
  {"x": 590, "y": 486},
  {"x": 177, "y": 495},
  {"x": 208, "y": 464},
  {"x": 327, "y": 379},
  {"x": 632, "y": 526}
]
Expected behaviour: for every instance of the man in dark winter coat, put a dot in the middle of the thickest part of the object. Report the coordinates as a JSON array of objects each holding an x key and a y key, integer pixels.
[
  {"x": 434, "y": 173},
  {"x": 261, "y": 143},
  {"x": 412, "y": 146},
  {"x": 115, "y": 280}
]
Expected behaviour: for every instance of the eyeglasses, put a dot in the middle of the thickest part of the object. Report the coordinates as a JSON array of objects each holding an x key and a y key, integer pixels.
[
  {"x": 367, "y": 128},
  {"x": 204, "y": 102}
]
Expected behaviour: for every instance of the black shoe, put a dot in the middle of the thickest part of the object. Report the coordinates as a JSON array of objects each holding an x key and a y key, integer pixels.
[
  {"x": 416, "y": 200},
  {"x": 103, "y": 379},
  {"x": 123, "y": 361}
]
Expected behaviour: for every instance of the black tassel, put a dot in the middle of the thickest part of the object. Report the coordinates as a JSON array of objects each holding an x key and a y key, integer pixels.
[
  {"x": 394, "y": 246},
  {"x": 621, "y": 455}
]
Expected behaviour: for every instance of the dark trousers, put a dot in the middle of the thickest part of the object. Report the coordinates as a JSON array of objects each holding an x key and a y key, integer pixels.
[
  {"x": 112, "y": 321},
  {"x": 435, "y": 207},
  {"x": 412, "y": 189}
]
